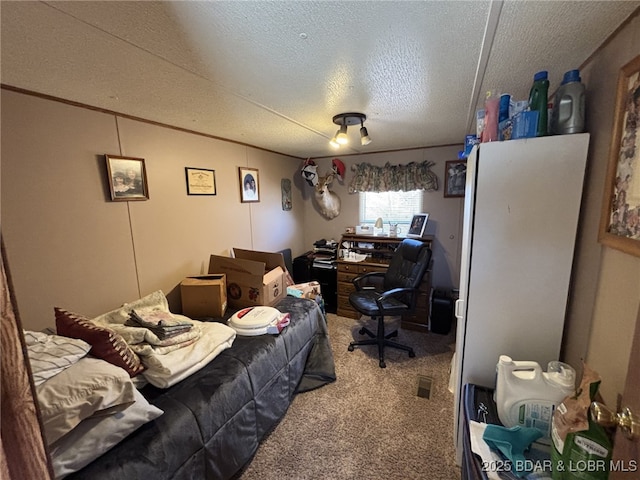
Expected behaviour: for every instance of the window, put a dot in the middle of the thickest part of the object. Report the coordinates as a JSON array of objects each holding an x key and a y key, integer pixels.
[{"x": 393, "y": 207}]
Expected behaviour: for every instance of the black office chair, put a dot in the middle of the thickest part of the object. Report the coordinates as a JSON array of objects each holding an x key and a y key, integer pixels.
[{"x": 397, "y": 296}]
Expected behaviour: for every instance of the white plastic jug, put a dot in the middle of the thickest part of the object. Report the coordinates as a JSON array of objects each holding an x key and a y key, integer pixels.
[{"x": 527, "y": 396}]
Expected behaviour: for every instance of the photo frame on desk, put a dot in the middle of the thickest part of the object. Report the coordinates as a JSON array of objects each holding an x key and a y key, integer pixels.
[
  {"x": 619, "y": 224},
  {"x": 417, "y": 226}
]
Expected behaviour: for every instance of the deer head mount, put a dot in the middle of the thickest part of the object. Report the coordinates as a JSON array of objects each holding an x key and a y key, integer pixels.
[{"x": 328, "y": 201}]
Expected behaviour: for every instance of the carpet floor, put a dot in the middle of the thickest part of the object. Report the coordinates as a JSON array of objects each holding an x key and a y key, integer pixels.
[{"x": 370, "y": 423}]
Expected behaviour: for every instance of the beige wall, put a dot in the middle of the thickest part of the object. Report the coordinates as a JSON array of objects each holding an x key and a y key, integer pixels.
[
  {"x": 610, "y": 280},
  {"x": 69, "y": 245}
]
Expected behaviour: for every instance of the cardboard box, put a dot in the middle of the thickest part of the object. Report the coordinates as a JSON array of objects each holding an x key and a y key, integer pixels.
[
  {"x": 204, "y": 295},
  {"x": 253, "y": 278},
  {"x": 304, "y": 290}
]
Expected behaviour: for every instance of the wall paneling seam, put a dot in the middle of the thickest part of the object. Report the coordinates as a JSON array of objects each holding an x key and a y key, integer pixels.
[{"x": 133, "y": 240}]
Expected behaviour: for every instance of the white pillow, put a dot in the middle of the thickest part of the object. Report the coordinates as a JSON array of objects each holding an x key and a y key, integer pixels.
[
  {"x": 89, "y": 386},
  {"x": 51, "y": 354},
  {"x": 95, "y": 436}
]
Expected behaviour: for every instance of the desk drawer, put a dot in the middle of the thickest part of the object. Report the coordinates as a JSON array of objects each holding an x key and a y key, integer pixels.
[
  {"x": 346, "y": 277},
  {"x": 345, "y": 309}
]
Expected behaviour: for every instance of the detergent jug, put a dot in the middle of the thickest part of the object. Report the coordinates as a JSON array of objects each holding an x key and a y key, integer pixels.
[{"x": 527, "y": 396}]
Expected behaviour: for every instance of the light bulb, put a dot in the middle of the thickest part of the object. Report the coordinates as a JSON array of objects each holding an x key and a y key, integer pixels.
[
  {"x": 364, "y": 136},
  {"x": 341, "y": 137}
]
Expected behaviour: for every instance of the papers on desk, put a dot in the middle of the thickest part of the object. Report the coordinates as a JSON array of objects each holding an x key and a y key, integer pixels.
[{"x": 354, "y": 257}]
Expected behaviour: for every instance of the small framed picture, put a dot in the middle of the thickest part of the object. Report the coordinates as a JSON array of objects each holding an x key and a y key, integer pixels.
[
  {"x": 249, "y": 185},
  {"x": 455, "y": 178},
  {"x": 418, "y": 223},
  {"x": 200, "y": 181},
  {"x": 285, "y": 187},
  {"x": 127, "y": 178}
]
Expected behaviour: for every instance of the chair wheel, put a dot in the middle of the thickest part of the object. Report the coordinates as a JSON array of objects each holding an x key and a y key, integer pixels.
[
  {"x": 412, "y": 354},
  {"x": 382, "y": 364},
  {"x": 350, "y": 348},
  {"x": 362, "y": 331}
]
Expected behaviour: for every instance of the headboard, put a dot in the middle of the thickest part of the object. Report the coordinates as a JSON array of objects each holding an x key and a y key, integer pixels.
[{"x": 23, "y": 453}]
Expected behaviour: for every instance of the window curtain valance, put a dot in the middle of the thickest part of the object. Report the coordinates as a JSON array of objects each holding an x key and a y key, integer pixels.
[{"x": 393, "y": 178}]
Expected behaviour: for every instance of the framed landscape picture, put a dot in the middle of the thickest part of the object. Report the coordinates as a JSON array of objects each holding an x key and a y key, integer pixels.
[{"x": 127, "y": 178}]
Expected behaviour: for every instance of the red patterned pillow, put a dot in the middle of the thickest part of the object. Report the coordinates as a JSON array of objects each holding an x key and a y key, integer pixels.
[{"x": 105, "y": 343}]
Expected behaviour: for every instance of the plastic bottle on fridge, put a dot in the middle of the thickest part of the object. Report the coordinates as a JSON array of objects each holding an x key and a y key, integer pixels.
[
  {"x": 504, "y": 117},
  {"x": 568, "y": 107},
  {"x": 538, "y": 101},
  {"x": 491, "y": 108}
]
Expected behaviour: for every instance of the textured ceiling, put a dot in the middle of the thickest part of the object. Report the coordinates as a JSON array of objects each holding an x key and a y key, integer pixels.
[{"x": 273, "y": 74}]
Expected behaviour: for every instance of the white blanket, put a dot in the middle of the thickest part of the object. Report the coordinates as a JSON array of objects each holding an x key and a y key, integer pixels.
[
  {"x": 166, "y": 370},
  {"x": 167, "y": 365}
]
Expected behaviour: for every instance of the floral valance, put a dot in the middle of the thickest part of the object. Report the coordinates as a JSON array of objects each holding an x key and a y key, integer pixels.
[{"x": 393, "y": 178}]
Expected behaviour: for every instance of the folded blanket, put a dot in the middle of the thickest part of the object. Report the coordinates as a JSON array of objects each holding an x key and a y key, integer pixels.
[
  {"x": 168, "y": 369},
  {"x": 144, "y": 349},
  {"x": 140, "y": 335},
  {"x": 163, "y": 324},
  {"x": 170, "y": 360}
]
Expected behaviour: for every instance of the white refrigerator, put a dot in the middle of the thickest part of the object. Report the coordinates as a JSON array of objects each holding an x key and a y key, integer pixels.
[{"x": 521, "y": 210}]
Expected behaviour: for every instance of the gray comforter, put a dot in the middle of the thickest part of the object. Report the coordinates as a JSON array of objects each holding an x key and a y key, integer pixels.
[{"x": 214, "y": 420}]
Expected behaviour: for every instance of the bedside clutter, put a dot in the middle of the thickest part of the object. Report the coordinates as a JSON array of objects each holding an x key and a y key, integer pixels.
[{"x": 319, "y": 265}]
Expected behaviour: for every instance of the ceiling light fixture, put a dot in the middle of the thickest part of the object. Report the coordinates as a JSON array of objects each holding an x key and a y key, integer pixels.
[
  {"x": 364, "y": 135},
  {"x": 345, "y": 120}
]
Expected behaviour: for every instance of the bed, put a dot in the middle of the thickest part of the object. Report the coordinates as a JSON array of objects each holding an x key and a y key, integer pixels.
[{"x": 208, "y": 425}]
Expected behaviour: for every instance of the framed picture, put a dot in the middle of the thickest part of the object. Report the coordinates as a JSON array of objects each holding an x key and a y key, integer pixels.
[
  {"x": 200, "y": 181},
  {"x": 418, "y": 223},
  {"x": 455, "y": 177},
  {"x": 620, "y": 218},
  {"x": 127, "y": 178},
  {"x": 285, "y": 187},
  {"x": 249, "y": 185}
]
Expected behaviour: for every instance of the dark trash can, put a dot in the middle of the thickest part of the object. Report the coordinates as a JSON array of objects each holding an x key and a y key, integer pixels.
[
  {"x": 302, "y": 268},
  {"x": 441, "y": 311}
]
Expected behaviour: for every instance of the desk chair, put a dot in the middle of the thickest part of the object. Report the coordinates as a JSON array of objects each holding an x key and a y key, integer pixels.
[{"x": 397, "y": 296}]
